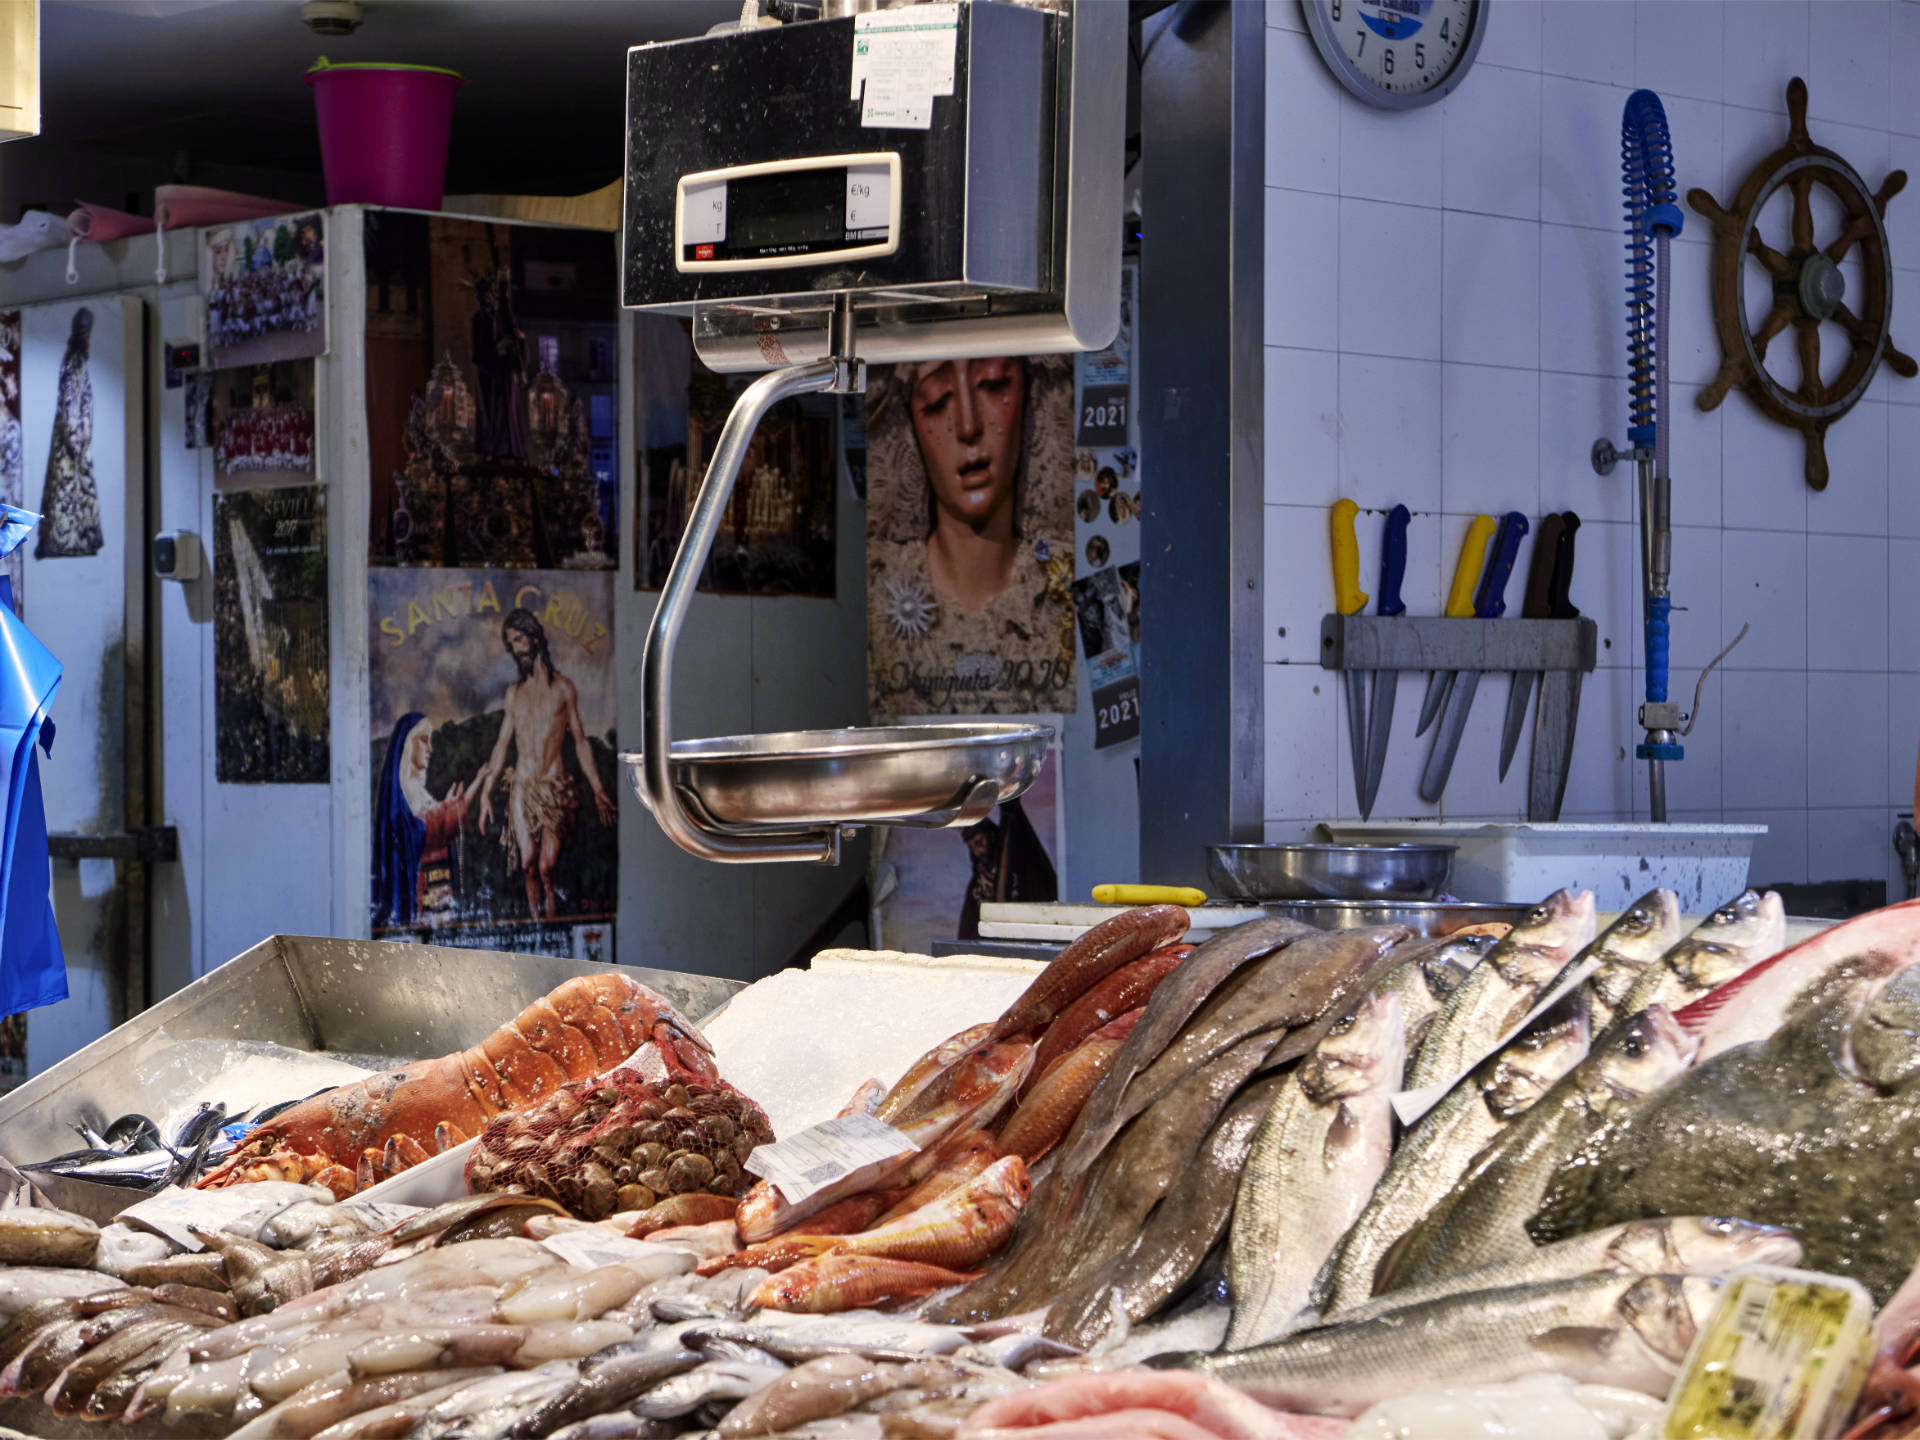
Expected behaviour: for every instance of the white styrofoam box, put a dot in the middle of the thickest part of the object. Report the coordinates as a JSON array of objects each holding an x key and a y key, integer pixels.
[
  {"x": 431, "y": 1182},
  {"x": 1847, "y": 71},
  {"x": 1576, "y": 410},
  {"x": 1705, "y": 865},
  {"x": 1303, "y": 426},
  {"x": 1847, "y": 602},
  {"x": 1763, "y": 583},
  {"x": 1855, "y": 500},
  {"x": 1903, "y": 738},
  {"x": 1302, "y": 272},
  {"x": 1590, "y": 39},
  {"x": 1848, "y": 844},
  {"x": 1381, "y": 159},
  {"x": 1304, "y": 715},
  {"x": 1490, "y": 290},
  {"x": 1769, "y": 42},
  {"x": 1779, "y": 856},
  {"x": 1583, "y": 326},
  {"x": 1490, "y": 439},
  {"x": 1763, "y": 470},
  {"x": 1677, "y": 46},
  {"x": 1303, "y": 116},
  {"x": 1693, "y": 458},
  {"x": 1057, "y": 921},
  {"x": 1763, "y": 738},
  {"x": 1846, "y": 716},
  {"x": 1492, "y": 135},
  {"x": 1299, "y": 588},
  {"x": 1389, "y": 292},
  {"x": 1390, "y": 431}
]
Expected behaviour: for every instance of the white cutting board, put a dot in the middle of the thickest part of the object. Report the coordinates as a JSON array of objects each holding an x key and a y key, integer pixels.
[{"x": 1059, "y": 920}]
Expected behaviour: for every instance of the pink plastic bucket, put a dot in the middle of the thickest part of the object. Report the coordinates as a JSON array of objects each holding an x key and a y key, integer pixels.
[{"x": 384, "y": 131}]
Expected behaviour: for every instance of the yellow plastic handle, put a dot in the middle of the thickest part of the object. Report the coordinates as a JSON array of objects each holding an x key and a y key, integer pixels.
[
  {"x": 1148, "y": 895},
  {"x": 1348, "y": 598},
  {"x": 1466, "y": 575}
]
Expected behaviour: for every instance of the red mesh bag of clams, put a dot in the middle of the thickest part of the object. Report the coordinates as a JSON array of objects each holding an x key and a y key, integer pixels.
[{"x": 622, "y": 1142}]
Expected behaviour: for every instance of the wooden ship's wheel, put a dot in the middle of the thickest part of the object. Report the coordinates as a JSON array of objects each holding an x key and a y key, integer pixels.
[{"x": 1808, "y": 287}]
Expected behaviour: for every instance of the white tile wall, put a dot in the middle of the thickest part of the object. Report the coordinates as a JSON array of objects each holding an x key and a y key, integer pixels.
[{"x": 1444, "y": 323}]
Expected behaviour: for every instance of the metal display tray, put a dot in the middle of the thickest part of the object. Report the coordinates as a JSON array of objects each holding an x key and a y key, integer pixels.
[{"x": 360, "y": 997}]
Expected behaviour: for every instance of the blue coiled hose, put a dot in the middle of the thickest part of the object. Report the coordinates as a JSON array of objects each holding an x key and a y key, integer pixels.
[{"x": 1653, "y": 219}]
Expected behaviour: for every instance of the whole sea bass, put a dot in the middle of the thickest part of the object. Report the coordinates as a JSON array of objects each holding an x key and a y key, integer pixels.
[
  {"x": 1426, "y": 971},
  {"x": 1314, "y": 1163},
  {"x": 1605, "y": 1329},
  {"x": 1503, "y": 987},
  {"x": 1816, "y": 1129},
  {"x": 1644, "y": 931},
  {"x": 1740, "y": 934},
  {"x": 1432, "y": 1154},
  {"x": 1482, "y": 1219}
]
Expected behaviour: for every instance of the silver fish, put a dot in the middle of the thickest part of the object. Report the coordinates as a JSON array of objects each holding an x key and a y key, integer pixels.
[
  {"x": 1627, "y": 1330},
  {"x": 1315, "y": 1160},
  {"x": 716, "y": 1380},
  {"x": 610, "y": 1380},
  {"x": 1638, "y": 937},
  {"x": 1440, "y": 1146},
  {"x": 1482, "y": 1219},
  {"x": 488, "y": 1408},
  {"x": 1426, "y": 971},
  {"x": 1749, "y": 928},
  {"x": 1503, "y": 987},
  {"x": 1681, "y": 1245}
]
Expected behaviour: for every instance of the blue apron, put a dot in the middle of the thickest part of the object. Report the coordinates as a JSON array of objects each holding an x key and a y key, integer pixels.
[{"x": 32, "y": 970}]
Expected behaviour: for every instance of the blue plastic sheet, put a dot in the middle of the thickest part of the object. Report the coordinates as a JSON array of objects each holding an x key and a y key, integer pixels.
[{"x": 32, "y": 969}]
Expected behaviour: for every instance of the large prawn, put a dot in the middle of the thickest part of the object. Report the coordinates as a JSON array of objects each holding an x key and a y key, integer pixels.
[{"x": 357, "y": 1135}]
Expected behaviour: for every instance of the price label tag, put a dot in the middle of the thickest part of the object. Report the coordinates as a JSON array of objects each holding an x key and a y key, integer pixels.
[
  {"x": 591, "y": 1248},
  {"x": 803, "y": 1164},
  {"x": 1104, "y": 412},
  {"x": 1116, "y": 712}
]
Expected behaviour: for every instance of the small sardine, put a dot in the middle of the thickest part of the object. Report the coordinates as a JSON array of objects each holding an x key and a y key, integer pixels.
[
  {"x": 1315, "y": 1160},
  {"x": 1644, "y": 931},
  {"x": 1627, "y": 1330},
  {"x": 1503, "y": 987},
  {"x": 1749, "y": 928},
  {"x": 716, "y": 1380},
  {"x": 1432, "y": 1155}
]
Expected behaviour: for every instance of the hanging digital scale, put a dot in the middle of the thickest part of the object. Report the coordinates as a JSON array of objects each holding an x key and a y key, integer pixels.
[{"x": 924, "y": 182}]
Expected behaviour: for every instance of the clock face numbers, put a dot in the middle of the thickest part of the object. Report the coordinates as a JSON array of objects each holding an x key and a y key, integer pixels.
[{"x": 1400, "y": 48}]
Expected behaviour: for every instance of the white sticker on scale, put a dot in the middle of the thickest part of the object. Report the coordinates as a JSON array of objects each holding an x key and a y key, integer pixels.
[
  {"x": 902, "y": 58},
  {"x": 826, "y": 1153}
]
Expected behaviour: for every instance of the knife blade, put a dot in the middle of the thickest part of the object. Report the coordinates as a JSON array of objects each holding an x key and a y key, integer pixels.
[
  {"x": 1534, "y": 607},
  {"x": 1466, "y": 573},
  {"x": 1386, "y": 683},
  {"x": 1553, "y": 729},
  {"x": 1350, "y": 599},
  {"x": 1489, "y": 604}
]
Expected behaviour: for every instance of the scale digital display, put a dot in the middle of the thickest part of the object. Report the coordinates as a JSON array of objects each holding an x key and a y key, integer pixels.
[{"x": 790, "y": 212}]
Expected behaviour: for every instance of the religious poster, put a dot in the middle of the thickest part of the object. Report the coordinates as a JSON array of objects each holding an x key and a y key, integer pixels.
[
  {"x": 12, "y": 450},
  {"x": 270, "y": 679},
  {"x": 1107, "y": 538},
  {"x": 939, "y": 879},
  {"x": 492, "y": 393},
  {"x": 261, "y": 421},
  {"x": 970, "y": 532},
  {"x": 265, "y": 287},
  {"x": 495, "y": 766},
  {"x": 777, "y": 537},
  {"x": 69, "y": 495}
]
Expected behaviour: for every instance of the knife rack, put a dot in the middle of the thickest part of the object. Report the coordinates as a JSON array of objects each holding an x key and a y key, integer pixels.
[{"x": 1563, "y": 651}]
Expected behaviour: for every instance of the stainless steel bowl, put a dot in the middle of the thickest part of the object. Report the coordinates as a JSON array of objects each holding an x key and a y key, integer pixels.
[
  {"x": 1329, "y": 872},
  {"x": 1423, "y": 917},
  {"x": 914, "y": 775}
]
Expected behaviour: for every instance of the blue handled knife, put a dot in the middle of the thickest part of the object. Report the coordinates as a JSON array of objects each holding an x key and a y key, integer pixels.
[
  {"x": 1489, "y": 604},
  {"x": 1386, "y": 683}
]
